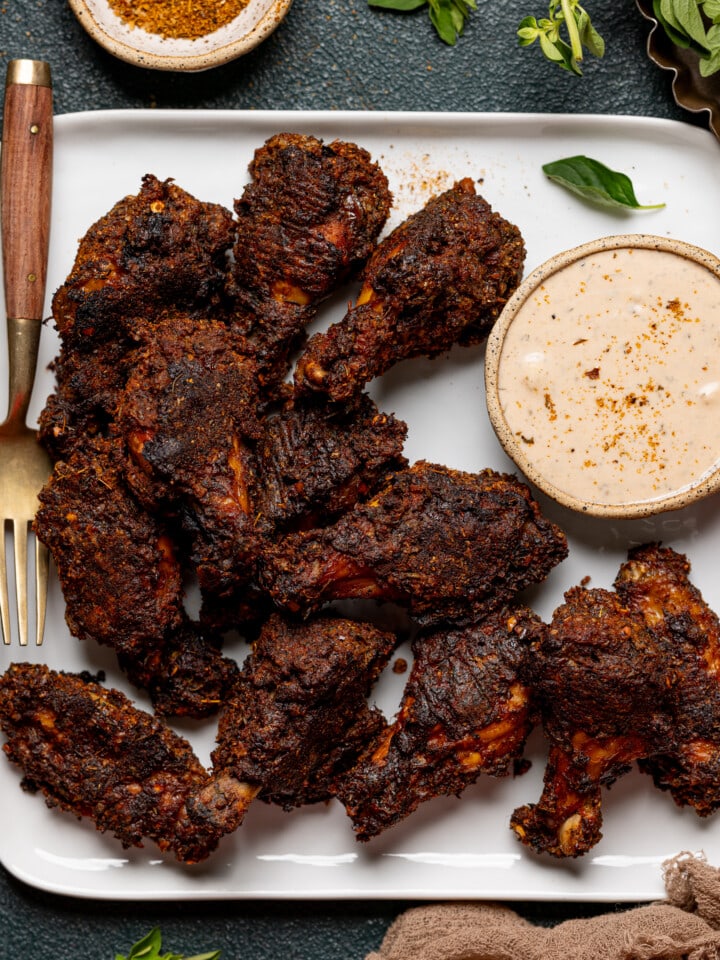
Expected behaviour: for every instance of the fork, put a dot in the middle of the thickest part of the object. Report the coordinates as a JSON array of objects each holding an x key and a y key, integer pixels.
[{"x": 25, "y": 184}]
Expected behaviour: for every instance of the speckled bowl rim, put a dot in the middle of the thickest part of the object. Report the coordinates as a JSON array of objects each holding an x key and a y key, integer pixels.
[
  {"x": 191, "y": 62},
  {"x": 706, "y": 485}
]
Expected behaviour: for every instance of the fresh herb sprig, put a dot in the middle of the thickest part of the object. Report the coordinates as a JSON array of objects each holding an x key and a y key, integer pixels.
[
  {"x": 593, "y": 181},
  {"x": 564, "y": 35},
  {"x": 149, "y": 947},
  {"x": 447, "y": 16},
  {"x": 693, "y": 24}
]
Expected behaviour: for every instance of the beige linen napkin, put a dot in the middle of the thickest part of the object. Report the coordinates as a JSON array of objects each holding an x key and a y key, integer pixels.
[{"x": 685, "y": 926}]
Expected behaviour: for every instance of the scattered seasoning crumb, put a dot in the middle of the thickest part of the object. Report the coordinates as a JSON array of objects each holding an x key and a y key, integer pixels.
[
  {"x": 400, "y": 665},
  {"x": 187, "y": 19},
  {"x": 585, "y": 580}
]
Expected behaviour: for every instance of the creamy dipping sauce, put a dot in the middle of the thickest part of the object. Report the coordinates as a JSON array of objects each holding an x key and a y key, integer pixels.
[{"x": 609, "y": 376}]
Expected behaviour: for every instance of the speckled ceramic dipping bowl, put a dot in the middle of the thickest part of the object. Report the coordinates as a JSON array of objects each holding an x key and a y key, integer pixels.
[
  {"x": 152, "y": 51},
  {"x": 603, "y": 376}
]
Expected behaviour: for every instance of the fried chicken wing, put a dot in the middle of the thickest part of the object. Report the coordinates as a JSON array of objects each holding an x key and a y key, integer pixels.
[
  {"x": 440, "y": 278},
  {"x": 299, "y": 714},
  {"x": 447, "y": 545},
  {"x": 625, "y": 675},
  {"x": 128, "y": 772},
  {"x": 466, "y": 710},
  {"x": 307, "y": 221},
  {"x": 154, "y": 250}
]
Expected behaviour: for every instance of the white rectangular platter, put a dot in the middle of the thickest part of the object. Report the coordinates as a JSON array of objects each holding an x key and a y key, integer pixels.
[{"x": 450, "y": 848}]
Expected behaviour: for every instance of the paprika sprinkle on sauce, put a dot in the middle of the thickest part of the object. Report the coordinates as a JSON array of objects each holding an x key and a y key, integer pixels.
[{"x": 188, "y": 19}]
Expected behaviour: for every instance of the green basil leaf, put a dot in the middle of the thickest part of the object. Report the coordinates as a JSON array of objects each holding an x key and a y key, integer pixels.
[
  {"x": 667, "y": 10},
  {"x": 593, "y": 181},
  {"x": 148, "y": 948}
]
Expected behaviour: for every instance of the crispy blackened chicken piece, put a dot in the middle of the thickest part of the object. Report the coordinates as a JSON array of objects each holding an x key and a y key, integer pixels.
[
  {"x": 447, "y": 545},
  {"x": 93, "y": 753},
  {"x": 187, "y": 414},
  {"x": 84, "y": 402},
  {"x": 299, "y": 714},
  {"x": 307, "y": 221},
  {"x": 117, "y": 566},
  {"x": 466, "y": 710},
  {"x": 440, "y": 278},
  {"x": 313, "y": 462},
  {"x": 123, "y": 584},
  {"x": 625, "y": 675},
  {"x": 154, "y": 250},
  {"x": 318, "y": 460},
  {"x": 184, "y": 673}
]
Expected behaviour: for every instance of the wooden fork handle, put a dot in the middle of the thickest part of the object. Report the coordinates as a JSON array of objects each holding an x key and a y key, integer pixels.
[{"x": 25, "y": 186}]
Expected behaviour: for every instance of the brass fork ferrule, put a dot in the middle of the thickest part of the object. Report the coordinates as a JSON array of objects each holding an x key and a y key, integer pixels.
[{"x": 34, "y": 72}]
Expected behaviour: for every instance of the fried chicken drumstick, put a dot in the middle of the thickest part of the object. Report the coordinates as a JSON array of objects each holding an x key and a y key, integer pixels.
[
  {"x": 447, "y": 545},
  {"x": 465, "y": 711},
  {"x": 440, "y": 278},
  {"x": 625, "y": 675},
  {"x": 307, "y": 221}
]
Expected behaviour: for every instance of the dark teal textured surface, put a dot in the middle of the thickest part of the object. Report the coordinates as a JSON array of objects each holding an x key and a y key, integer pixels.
[{"x": 328, "y": 54}]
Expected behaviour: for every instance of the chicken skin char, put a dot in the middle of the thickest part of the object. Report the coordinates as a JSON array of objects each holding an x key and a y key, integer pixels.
[
  {"x": 440, "y": 278},
  {"x": 297, "y": 716},
  {"x": 466, "y": 710},
  {"x": 626, "y": 675},
  {"x": 449, "y": 546}
]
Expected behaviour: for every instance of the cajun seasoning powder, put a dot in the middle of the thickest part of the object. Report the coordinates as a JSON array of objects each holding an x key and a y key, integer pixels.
[{"x": 187, "y": 19}]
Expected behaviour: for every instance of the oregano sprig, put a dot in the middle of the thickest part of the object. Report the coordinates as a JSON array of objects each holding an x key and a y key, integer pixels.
[
  {"x": 149, "y": 947},
  {"x": 564, "y": 35},
  {"x": 447, "y": 16}
]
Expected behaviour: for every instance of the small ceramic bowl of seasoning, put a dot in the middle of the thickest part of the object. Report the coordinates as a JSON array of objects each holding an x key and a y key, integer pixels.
[
  {"x": 177, "y": 35},
  {"x": 603, "y": 376}
]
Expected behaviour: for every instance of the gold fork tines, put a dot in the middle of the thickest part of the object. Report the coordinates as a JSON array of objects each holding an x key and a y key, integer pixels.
[{"x": 19, "y": 531}]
